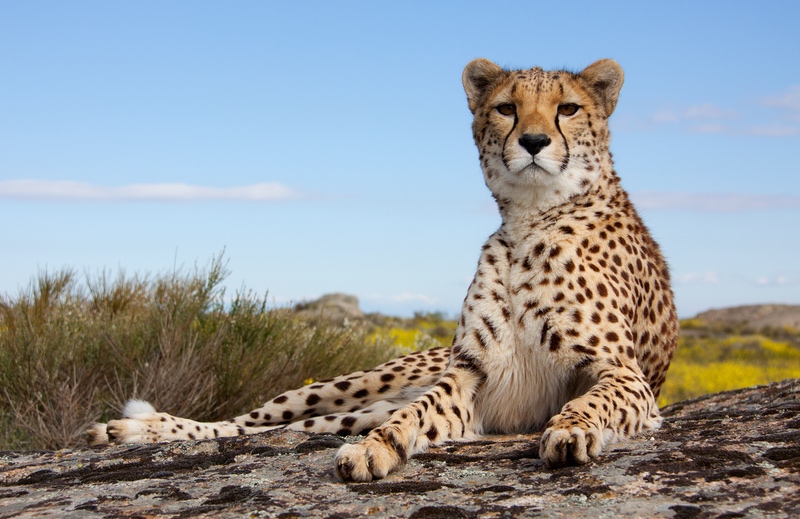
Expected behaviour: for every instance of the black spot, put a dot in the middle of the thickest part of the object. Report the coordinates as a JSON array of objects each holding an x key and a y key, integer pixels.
[
  {"x": 583, "y": 349},
  {"x": 490, "y": 327},
  {"x": 555, "y": 342},
  {"x": 432, "y": 433},
  {"x": 480, "y": 338},
  {"x": 343, "y": 385},
  {"x": 545, "y": 329},
  {"x": 348, "y": 421},
  {"x": 312, "y": 399},
  {"x": 287, "y": 415},
  {"x": 397, "y": 446},
  {"x": 280, "y": 399},
  {"x": 361, "y": 393}
]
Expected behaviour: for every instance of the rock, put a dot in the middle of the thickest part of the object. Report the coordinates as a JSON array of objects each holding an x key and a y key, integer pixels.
[
  {"x": 734, "y": 454},
  {"x": 336, "y": 308},
  {"x": 754, "y": 317}
]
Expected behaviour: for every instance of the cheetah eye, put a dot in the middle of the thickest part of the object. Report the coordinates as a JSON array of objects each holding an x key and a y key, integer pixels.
[
  {"x": 507, "y": 108},
  {"x": 568, "y": 109}
]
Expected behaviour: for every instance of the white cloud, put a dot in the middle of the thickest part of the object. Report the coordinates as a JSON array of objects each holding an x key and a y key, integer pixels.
[
  {"x": 708, "y": 128},
  {"x": 698, "y": 278},
  {"x": 779, "y": 280},
  {"x": 708, "y": 111},
  {"x": 774, "y": 130},
  {"x": 665, "y": 117},
  {"x": 167, "y": 192},
  {"x": 714, "y": 202},
  {"x": 405, "y": 297},
  {"x": 701, "y": 112},
  {"x": 789, "y": 99},
  {"x": 709, "y": 118}
]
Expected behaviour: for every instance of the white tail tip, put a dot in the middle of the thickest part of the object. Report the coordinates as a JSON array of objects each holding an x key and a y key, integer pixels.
[{"x": 136, "y": 407}]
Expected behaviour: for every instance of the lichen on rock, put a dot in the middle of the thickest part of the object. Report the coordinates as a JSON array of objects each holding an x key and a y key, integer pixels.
[{"x": 733, "y": 454}]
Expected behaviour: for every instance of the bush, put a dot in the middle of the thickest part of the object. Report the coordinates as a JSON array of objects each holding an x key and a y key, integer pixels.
[
  {"x": 713, "y": 362},
  {"x": 72, "y": 353}
]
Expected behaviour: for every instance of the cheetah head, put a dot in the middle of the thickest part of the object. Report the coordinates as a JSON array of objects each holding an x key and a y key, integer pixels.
[{"x": 542, "y": 135}]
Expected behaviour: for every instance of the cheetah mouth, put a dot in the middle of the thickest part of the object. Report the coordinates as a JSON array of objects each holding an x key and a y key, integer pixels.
[{"x": 533, "y": 169}]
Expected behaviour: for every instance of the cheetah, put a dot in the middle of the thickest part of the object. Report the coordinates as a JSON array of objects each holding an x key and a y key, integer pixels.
[{"x": 568, "y": 326}]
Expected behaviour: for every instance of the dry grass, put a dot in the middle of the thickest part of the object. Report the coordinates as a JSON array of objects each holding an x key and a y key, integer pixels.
[{"x": 73, "y": 352}]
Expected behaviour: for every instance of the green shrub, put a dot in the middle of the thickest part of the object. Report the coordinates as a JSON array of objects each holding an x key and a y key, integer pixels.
[{"x": 72, "y": 353}]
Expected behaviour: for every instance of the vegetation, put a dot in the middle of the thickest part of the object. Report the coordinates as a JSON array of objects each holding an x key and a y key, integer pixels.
[
  {"x": 423, "y": 331},
  {"x": 72, "y": 353},
  {"x": 73, "y": 350},
  {"x": 712, "y": 359}
]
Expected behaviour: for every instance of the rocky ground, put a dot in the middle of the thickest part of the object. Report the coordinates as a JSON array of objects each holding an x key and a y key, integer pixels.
[{"x": 734, "y": 454}]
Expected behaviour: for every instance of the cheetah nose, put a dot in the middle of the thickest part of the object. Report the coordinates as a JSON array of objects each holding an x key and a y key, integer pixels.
[{"x": 534, "y": 143}]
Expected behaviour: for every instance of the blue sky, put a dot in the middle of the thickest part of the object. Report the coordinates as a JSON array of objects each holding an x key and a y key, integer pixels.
[{"x": 326, "y": 146}]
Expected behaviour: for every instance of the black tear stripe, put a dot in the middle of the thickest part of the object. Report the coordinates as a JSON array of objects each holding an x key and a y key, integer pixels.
[
  {"x": 505, "y": 141},
  {"x": 565, "y": 162}
]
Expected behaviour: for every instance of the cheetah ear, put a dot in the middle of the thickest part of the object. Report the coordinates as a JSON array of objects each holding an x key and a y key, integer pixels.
[
  {"x": 605, "y": 77},
  {"x": 479, "y": 76}
]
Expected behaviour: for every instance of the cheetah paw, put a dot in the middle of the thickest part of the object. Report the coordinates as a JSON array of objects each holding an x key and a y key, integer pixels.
[
  {"x": 569, "y": 446},
  {"x": 360, "y": 463},
  {"x": 133, "y": 428},
  {"x": 97, "y": 434}
]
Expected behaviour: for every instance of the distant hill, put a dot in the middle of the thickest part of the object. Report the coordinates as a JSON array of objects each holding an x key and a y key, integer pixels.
[
  {"x": 754, "y": 317},
  {"x": 332, "y": 307}
]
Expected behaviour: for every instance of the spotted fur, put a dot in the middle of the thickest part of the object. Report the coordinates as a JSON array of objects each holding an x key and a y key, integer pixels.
[{"x": 568, "y": 326}]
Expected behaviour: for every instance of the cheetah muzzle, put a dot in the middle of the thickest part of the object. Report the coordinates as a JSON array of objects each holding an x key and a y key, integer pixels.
[{"x": 569, "y": 323}]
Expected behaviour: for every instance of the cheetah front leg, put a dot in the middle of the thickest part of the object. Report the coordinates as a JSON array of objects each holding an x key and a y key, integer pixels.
[
  {"x": 621, "y": 404},
  {"x": 446, "y": 412}
]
